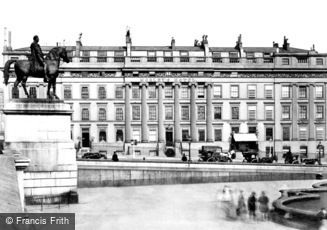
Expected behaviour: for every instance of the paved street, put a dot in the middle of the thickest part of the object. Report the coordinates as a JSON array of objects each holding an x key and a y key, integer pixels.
[{"x": 190, "y": 207}]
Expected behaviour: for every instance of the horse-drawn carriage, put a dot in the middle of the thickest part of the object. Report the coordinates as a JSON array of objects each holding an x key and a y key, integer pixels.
[{"x": 214, "y": 154}]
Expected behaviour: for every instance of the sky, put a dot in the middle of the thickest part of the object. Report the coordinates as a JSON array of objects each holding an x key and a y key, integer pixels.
[{"x": 153, "y": 22}]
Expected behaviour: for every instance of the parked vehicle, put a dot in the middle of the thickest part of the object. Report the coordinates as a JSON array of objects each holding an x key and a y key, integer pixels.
[
  {"x": 309, "y": 161},
  {"x": 250, "y": 156},
  {"x": 214, "y": 154},
  {"x": 94, "y": 155},
  {"x": 291, "y": 158}
]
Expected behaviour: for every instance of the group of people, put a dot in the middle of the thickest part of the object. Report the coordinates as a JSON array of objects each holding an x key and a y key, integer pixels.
[{"x": 241, "y": 207}]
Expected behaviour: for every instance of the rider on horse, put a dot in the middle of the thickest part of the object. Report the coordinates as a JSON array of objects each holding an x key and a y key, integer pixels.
[{"x": 37, "y": 59}]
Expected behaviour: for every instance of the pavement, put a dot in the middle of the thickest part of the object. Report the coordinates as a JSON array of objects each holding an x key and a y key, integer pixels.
[{"x": 162, "y": 207}]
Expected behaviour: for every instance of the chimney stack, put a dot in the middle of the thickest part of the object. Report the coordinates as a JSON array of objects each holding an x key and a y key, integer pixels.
[
  {"x": 173, "y": 43},
  {"x": 276, "y": 46},
  {"x": 239, "y": 46},
  {"x": 79, "y": 45},
  {"x": 4, "y": 39},
  {"x": 128, "y": 42},
  {"x": 286, "y": 45},
  {"x": 205, "y": 45},
  {"x": 9, "y": 41}
]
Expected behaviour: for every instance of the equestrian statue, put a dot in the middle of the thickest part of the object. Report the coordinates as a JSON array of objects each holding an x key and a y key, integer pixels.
[{"x": 38, "y": 66}]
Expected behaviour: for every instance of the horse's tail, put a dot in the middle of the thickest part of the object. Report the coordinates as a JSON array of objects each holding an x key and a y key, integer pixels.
[{"x": 6, "y": 70}]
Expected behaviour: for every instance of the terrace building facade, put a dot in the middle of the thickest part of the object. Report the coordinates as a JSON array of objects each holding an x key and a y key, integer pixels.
[{"x": 167, "y": 97}]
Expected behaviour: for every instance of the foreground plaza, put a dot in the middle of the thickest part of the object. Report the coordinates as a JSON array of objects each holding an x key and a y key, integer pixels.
[{"x": 192, "y": 207}]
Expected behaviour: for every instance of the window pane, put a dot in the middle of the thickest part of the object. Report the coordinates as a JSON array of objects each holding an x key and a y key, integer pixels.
[
  {"x": 67, "y": 92},
  {"x": 136, "y": 113},
  {"x": 152, "y": 92},
  {"x": 303, "y": 133},
  {"x": 119, "y": 92},
  {"x": 268, "y": 91},
  {"x": 201, "y": 113},
  {"x": 217, "y": 112},
  {"x": 286, "y": 112},
  {"x": 319, "y": 92},
  {"x": 217, "y": 91},
  {"x": 303, "y": 112},
  {"x": 286, "y": 91},
  {"x": 135, "y": 92},
  {"x": 286, "y": 133},
  {"x": 235, "y": 112},
  {"x": 102, "y": 92},
  {"x": 269, "y": 112},
  {"x": 302, "y": 92},
  {"x": 201, "y": 133},
  {"x": 252, "y": 91},
  {"x": 201, "y": 92},
  {"x": 320, "y": 133},
  {"x": 119, "y": 114},
  {"x": 218, "y": 135},
  {"x": 252, "y": 112},
  {"x": 185, "y": 92},
  {"x": 234, "y": 91},
  {"x": 168, "y": 91},
  {"x": 185, "y": 134},
  {"x": 319, "y": 112},
  {"x": 85, "y": 114},
  {"x": 269, "y": 134},
  {"x": 185, "y": 113},
  {"x": 85, "y": 92},
  {"x": 152, "y": 112},
  {"x": 102, "y": 114},
  {"x": 168, "y": 112}
]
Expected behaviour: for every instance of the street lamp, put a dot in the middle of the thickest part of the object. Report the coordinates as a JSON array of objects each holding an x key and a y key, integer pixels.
[
  {"x": 320, "y": 148},
  {"x": 189, "y": 139},
  {"x": 270, "y": 140}
]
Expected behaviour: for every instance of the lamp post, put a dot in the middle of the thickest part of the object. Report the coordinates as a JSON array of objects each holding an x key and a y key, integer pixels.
[
  {"x": 270, "y": 140},
  {"x": 189, "y": 139},
  {"x": 319, "y": 147}
]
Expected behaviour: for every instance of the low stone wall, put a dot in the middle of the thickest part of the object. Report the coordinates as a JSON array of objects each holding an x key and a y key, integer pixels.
[{"x": 108, "y": 173}]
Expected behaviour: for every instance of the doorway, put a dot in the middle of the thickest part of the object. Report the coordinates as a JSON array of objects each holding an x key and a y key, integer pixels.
[
  {"x": 86, "y": 137},
  {"x": 169, "y": 136}
]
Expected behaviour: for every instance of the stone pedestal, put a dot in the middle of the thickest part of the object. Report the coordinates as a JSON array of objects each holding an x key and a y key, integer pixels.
[{"x": 40, "y": 130}]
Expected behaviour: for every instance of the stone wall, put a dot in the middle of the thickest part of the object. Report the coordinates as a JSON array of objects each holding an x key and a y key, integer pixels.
[{"x": 107, "y": 173}]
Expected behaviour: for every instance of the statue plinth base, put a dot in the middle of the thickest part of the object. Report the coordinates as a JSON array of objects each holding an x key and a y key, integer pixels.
[{"x": 40, "y": 130}]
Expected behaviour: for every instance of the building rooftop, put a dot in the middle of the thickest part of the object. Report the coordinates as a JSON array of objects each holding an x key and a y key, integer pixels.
[{"x": 176, "y": 48}]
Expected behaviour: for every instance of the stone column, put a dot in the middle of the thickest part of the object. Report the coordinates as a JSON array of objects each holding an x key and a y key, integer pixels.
[
  {"x": 128, "y": 135},
  {"x": 209, "y": 112},
  {"x": 311, "y": 113},
  {"x": 294, "y": 113},
  {"x": 177, "y": 118},
  {"x": 161, "y": 128},
  {"x": 144, "y": 118},
  {"x": 193, "y": 112}
]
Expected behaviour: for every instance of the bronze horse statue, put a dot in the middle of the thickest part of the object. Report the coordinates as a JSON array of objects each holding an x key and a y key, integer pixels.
[{"x": 23, "y": 70}]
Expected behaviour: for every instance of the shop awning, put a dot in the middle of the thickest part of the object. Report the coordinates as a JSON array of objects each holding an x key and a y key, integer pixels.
[{"x": 245, "y": 137}]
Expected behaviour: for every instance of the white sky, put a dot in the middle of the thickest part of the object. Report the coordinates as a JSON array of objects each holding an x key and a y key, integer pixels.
[{"x": 153, "y": 22}]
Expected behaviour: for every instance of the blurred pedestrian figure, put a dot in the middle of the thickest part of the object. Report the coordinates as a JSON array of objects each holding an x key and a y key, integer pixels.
[
  {"x": 263, "y": 205},
  {"x": 115, "y": 157},
  {"x": 184, "y": 158},
  {"x": 252, "y": 200},
  {"x": 241, "y": 206},
  {"x": 226, "y": 202}
]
